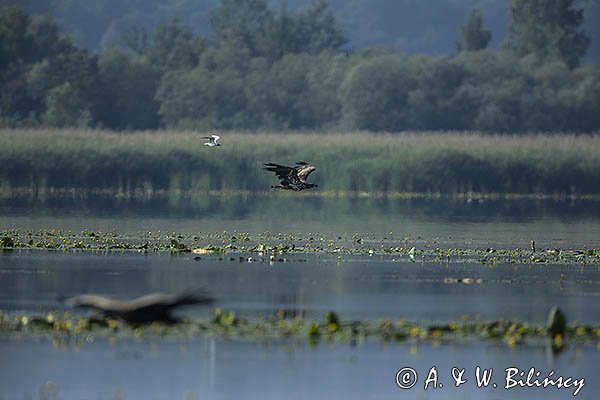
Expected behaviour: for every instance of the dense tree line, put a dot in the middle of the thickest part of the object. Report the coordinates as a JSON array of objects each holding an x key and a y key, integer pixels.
[{"x": 290, "y": 69}]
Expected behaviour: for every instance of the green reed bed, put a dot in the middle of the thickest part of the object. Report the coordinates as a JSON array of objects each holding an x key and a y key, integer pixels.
[
  {"x": 275, "y": 247},
  {"x": 65, "y": 328},
  {"x": 357, "y": 162}
]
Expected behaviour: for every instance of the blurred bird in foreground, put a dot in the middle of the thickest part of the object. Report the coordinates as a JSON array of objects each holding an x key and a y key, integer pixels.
[{"x": 154, "y": 307}]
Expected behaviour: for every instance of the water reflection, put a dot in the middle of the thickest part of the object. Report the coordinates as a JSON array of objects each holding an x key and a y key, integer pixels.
[
  {"x": 220, "y": 369},
  {"x": 264, "y": 204},
  {"x": 487, "y": 222}
]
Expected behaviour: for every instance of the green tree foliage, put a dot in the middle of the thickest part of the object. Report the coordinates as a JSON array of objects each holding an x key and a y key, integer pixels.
[
  {"x": 324, "y": 78},
  {"x": 244, "y": 23},
  {"x": 129, "y": 83},
  {"x": 35, "y": 59},
  {"x": 16, "y": 42},
  {"x": 474, "y": 37},
  {"x": 440, "y": 100},
  {"x": 548, "y": 29},
  {"x": 77, "y": 67},
  {"x": 16, "y": 50},
  {"x": 496, "y": 92},
  {"x": 203, "y": 99},
  {"x": 298, "y": 91},
  {"x": 64, "y": 108},
  {"x": 414, "y": 26},
  {"x": 175, "y": 46},
  {"x": 263, "y": 69},
  {"x": 375, "y": 93},
  {"x": 312, "y": 31},
  {"x": 256, "y": 73},
  {"x": 277, "y": 95},
  {"x": 250, "y": 24}
]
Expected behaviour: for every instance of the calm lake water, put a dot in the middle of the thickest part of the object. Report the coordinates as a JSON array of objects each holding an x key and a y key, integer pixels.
[
  {"x": 217, "y": 369},
  {"x": 502, "y": 223},
  {"x": 359, "y": 287}
]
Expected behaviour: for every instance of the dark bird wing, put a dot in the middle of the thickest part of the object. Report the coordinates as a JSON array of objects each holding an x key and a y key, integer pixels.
[{"x": 283, "y": 173}]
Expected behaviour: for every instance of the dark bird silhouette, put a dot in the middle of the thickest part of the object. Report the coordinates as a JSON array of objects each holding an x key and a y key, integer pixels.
[
  {"x": 292, "y": 178},
  {"x": 154, "y": 307}
]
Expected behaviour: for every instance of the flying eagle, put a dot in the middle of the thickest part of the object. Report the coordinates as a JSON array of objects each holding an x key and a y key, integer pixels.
[
  {"x": 154, "y": 307},
  {"x": 292, "y": 178},
  {"x": 212, "y": 140}
]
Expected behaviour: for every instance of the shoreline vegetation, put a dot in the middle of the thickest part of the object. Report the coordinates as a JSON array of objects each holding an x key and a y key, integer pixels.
[
  {"x": 68, "y": 329},
  {"x": 147, "y": 193},
  {"x": 359, "y": 164}
]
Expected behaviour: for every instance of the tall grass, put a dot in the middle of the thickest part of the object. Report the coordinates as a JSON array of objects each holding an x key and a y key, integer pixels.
[{"x": 444, "y": 162}]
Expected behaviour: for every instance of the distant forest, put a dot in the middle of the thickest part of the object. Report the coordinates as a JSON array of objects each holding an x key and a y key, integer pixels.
[
  {"x": 411, "y": 26},
  {"x": 498, "y": 66}
]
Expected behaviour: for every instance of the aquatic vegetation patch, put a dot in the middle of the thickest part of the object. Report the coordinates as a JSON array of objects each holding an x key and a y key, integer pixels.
[
  {"x": 67, "y": 327},
  {"x": 275, "y": 247},
  {"x": 7, "y": 242}
]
